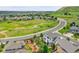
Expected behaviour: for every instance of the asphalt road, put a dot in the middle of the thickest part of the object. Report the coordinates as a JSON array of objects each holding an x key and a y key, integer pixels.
[
  {"x": 64, "y": 44},
  {"x": 61, "y": 24}
]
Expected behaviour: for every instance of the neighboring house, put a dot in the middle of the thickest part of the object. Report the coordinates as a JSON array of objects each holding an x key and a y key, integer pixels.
[
  {"x": 28, "y": 17},
  {"x": 74, "y": 29},
  {"x": 66, "y": 45},
  {"x": 61, "y": 41},
  {"x": 48, "y": 18},
  {"x": 37, "y": 17},
  {"x": 47, "y": 39},
  {"x": 16, "y": 18},
  {"x": 12, "y": 47},
  {"x": 50, "y": 38},
  {"x": 1, "y": 18}
]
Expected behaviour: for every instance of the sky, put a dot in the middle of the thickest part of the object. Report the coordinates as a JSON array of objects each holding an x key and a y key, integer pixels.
[{"x": 29, "y": 8}]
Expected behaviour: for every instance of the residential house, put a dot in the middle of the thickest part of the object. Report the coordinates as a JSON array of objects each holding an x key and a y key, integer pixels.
[
  {"x": 67, "y": 46},
  {"x": 74, "y": 29}
]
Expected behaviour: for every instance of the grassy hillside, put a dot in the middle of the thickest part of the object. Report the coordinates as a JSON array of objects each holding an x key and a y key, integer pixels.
[
  {"x": 68, "y": 13},
  {"x": 71, "y": 14},
  {"x": 72, "y": 11}
]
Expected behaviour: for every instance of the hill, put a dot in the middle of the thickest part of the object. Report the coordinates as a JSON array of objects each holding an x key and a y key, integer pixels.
[
  {"x": 71, "y": 10},
  {"x": 70, "y": 14}
]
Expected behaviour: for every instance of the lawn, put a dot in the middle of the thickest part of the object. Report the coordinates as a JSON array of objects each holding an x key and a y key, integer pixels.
[{"x": 19, "y": 28}]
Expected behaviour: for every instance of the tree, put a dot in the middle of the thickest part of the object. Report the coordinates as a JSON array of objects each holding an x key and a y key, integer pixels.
[
  {"x": 41, "y": 35},
  {"x": 53, "y": 46},
  {"x": 46, "y": 15},
  {"x": 2, "y": 45},
  {"x": 65, "y": 13},
  {"x": 77, "y": 26},
  {"x": 11, "y": 15},
  {"x": 34, "y": 36},
  {"x": 69, "y": 13},
  {"x": 4, "y": 18},
  {"x": 52, "y": 17},
  {"x": 64, "y": 28},
  {"x": 45, "y": 49},
  {"x": 38, "y": 40},
  {"x": 55, "y": 18},
  {"x": 32, "y": 17},
  {"x": 73, "y": 24}
]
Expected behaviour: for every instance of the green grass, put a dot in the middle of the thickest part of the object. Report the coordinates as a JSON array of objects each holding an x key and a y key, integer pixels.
[
  {"x": 73, "y": 17},
  {"x": 1, "y": 47},
  {"x": 19, "y": 28},
  {"x": 69, "y": 18},
  {"x": 76, "y": 36}
]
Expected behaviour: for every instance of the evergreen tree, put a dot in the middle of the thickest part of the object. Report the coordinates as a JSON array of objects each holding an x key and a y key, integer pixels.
[
  {"x": 4, "y": 18},
  {"x": 45, "y": 49}
]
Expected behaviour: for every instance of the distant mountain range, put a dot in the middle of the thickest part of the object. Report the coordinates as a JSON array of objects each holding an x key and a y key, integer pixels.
[
  {"x": 60, "y": 11},
  {"x": 23, "y": 12}
]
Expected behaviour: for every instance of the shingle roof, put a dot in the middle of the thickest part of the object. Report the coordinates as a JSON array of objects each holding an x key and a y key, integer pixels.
[
  {"x": 63, "y": 43},
  {"x": 67, "y": 45}
]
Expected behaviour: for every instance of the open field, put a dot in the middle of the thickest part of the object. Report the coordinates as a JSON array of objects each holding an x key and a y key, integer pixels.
[{"x": 19, "y": 28}]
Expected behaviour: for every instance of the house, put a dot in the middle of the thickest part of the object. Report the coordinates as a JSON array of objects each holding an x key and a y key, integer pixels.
[
  {"x": 29, "y": 17},
  {"x": 37, "y": 17},
  {"x": 47, "y": 39},
  {"x": 61, "y": 41},
  {"x": 66, "y": 45},
  {"x": 74, "y": 29},
  {"x": 50, "y": 37},
  {"x": 12, "y": 47}
]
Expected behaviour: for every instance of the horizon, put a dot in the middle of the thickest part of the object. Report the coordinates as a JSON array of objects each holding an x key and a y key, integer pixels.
[{"x": 29, "y": 8}]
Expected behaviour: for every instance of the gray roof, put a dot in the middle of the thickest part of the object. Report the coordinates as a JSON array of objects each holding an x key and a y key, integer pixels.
[
  {"x": 13, "y": 45},
  {"x": 67, "y": 45},
  {"x": 74, "y": 28},
  {"x": 52, "y": 35}
]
